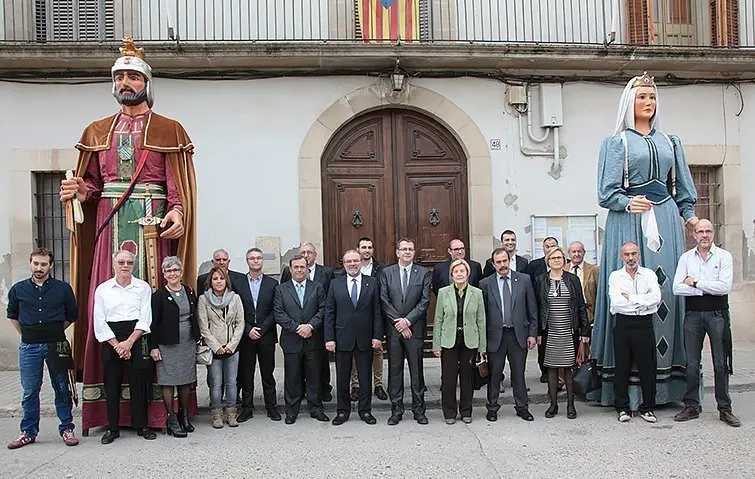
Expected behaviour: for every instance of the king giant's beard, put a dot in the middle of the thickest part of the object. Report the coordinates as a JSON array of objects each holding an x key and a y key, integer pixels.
[{"x": 127, "y": 97}]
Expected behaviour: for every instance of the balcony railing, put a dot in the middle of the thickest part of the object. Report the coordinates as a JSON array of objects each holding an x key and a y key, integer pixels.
[{"x": 720, "y": 23}]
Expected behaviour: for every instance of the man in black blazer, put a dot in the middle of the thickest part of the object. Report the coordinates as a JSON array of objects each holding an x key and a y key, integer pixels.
[
  {"x": 221, "y": 259},
  {"x": 323, "y": 275},
  {"x": 441, "y": 274},
  {"x": 511, "y": 325},
  {"x": 257, "y": 292},
  {"x": 405, "y": 296},
  {"x": 353, "y": 327},
  {"x": 299, "y": 310},
  {"x": 519, "y": 263},
  {"x": 536, "y": 268}
]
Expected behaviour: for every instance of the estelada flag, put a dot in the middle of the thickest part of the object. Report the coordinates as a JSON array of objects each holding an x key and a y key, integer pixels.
[{"x": 389, "y": 20}]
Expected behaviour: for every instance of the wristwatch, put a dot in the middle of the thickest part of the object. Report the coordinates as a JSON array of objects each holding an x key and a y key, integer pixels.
[{"x": 694, "y": 283}]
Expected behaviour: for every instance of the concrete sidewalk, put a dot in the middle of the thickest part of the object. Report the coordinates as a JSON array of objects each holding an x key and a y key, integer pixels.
[{"x": 742, "y": 380}]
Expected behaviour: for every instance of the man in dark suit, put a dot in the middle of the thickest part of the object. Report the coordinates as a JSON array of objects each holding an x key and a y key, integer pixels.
[
  {"x": 441, "y": 274},
  {"x": 299, "y": 310},
  {"x": 511, "y": 319},
  {"x": 405, "y": 296},
  {"x": 323, "y": 275},
  {"x": 535, "y": 269},
  {"x": 370, "y": 267},
  {"x": 257, "y": 292},
  {"x": 353, "y": 327},
  {"x": 518, "y": 264},
  {"x": 221, "y": 259}
]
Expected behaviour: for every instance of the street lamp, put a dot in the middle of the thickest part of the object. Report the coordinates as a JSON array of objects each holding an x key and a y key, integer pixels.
[{"x": 397, "y": 78}]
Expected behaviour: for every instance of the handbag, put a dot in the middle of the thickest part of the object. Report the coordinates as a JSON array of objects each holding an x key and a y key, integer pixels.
[
  {"x": 585, "y": 378},
  {"x": 204, "y": 354},
  {"x": 480, "y": 371}
]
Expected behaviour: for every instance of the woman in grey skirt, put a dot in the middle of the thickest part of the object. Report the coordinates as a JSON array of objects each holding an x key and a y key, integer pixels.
[{"x": 173, "y": 343}]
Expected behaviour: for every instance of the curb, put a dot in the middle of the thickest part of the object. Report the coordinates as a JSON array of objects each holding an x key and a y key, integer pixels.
[{"x": 383, "y": 406}]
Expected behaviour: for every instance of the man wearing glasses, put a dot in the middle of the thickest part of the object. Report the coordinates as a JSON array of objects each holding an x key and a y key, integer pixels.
[
  {"x": 441, "y": 276},
  {"x": 405, "y": 297},
  {"x": 122, "y": 316},
  {"x": 704, "y": 277}
]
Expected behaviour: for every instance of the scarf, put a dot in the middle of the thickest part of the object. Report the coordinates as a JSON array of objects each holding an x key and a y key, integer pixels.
[{"x": 219, "y": 303}]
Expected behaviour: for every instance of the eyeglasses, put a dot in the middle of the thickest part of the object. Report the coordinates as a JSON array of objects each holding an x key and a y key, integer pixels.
[
  {"x": 171, "y": 271},
  {"x": 123, "y": 263},
  {"x": 406, "y": 249},
  {"x": 458, "y": 249},
  {"x": 552, "y": 258}
]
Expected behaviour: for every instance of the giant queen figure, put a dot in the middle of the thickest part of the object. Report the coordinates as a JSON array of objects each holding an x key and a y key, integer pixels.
[{"x": 136, "y": 186}]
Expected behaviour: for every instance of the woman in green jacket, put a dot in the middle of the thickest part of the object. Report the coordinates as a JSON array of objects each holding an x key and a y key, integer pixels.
[{"x": 458, "y": 332}]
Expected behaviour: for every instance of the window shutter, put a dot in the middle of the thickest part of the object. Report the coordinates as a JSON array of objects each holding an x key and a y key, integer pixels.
[
  {"x": 640, "y": 23},
  {"x": 62, "y": 17},
  {"x": 724, "y": 23},
  {"x": 74, "y": 20}
]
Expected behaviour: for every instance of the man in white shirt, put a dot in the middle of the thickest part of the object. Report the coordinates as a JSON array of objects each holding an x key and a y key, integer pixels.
[
  {"x": 122, "y": 316},
  {"x": 704, "y": 275},
  {"x": 634, "y": 295}
]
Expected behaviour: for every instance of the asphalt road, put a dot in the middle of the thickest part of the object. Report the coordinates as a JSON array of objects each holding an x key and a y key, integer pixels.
[{"x": 593, "y": 445}]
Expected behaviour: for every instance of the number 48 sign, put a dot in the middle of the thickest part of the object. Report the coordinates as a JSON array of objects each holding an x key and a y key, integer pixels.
[{"x": 495, "y": 143}]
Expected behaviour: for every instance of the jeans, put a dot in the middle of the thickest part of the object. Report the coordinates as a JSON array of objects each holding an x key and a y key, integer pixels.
[
  {"x": 31, "y": 358},
  {"x": 221, "y": 374},
  {"x": 696, "y": 325}
]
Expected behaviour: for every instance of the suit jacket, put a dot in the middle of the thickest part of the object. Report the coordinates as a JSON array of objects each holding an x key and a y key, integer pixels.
[
  {"x": 262, "y": 314},
  {"x": 289, "y": 314},
  {"x": 523, "y": 309},
  {"x": 589, "y": 287},
  {"x": 414, "y": 307},
  {"x": 353, "y": 327},
  {"x": 473, "y": 319},
  {"x": 235, "y": 277},
  {"x": 164, "y": 327},
  {"x": 522, "y": 266},
  {"x": 536, "y": 268},
  {"x": 441, "y": 275},
  {"x": 323, "y": 275}
]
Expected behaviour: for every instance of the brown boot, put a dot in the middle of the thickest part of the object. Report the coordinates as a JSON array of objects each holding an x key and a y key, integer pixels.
[
  {"x": 231, "y": 414},
  {"x": 217, "y": 418}
]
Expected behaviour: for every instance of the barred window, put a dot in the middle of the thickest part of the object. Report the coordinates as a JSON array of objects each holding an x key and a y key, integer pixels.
[
  {"x": 50, "y": 221},
  {"x": 708, "y": 204}
]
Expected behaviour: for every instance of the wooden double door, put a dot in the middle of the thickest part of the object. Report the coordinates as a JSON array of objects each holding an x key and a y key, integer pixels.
[{"x": 390, "y": 174}]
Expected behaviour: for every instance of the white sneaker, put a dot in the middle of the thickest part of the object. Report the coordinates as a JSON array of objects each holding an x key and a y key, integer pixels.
[
  {"x": 624, "y": 416},
  {"x": 648, "y": 416}
]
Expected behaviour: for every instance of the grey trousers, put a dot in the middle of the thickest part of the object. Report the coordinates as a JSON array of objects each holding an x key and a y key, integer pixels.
[{"x": 716, "y": 325}]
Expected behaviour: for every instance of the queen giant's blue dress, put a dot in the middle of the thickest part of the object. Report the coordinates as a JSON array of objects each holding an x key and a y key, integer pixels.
[{"x": 657, "y": 168}]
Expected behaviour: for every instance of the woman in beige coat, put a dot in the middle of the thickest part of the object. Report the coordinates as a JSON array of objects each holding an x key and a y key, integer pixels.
[
  {"x": 221, "y": 323},
  {"x": 458, "y": 332}
]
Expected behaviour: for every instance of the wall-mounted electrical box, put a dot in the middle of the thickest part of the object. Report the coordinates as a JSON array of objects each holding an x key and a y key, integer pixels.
[
  {"x": 516, "y": 95},
  {"x": 551, "y": 109}
]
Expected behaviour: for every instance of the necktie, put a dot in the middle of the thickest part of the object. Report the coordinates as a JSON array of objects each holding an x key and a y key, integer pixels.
[
  {"x": 576, "y": 270},
  {"x": 354, "y": 292},
  {"x": 300, "y": 293},
  {"x": 404, "y": 281},
  {"x": 507, "y": 319},
  {"x": 310, "y": 274}
]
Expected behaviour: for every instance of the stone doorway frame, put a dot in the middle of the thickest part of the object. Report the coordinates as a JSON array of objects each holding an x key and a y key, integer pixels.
[{"x": 422, "y": 100}]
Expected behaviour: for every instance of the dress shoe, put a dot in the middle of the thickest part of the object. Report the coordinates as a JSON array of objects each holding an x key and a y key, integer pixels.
[
  {"x": 420, "y": 418},
  {"x": 290, "y": 419},
  {"x": 544, "y": 378},
  {"x": 526, "y": 415},
  {"x": 246, "y": 414},
  {"x": 689, "y": 412},
  {"x": 274, "y": 414},
  {"x": 502, "y": 389},
  {"x": 394, "y": 419},
  {"x": 368, "y": 418},
  {"x": 340, "y": 419},
  {"x": 147, "y": 434},
  {"x": 491, "y": 416},
  {"x": 551, "y": 411},
  {"x": 183, "y": 421},
  {"x": 571, "y": 412},
  {"x": 729, "y": 418},
  {"x": 320, "y": 416},
  {"x": 354, "y": 395},
  {"x": 110, "y": 436},
  {"x": 380, "y": 393},
  {"x": 327, "y": 396}
]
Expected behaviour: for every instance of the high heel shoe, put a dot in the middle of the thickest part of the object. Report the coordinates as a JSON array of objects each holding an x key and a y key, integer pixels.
[
  {"x": 571, "y": 411},
  {"x": 551, "y": 411},
  {"x": 183, "y": 421},
  {"x": 172, "y": 428}
]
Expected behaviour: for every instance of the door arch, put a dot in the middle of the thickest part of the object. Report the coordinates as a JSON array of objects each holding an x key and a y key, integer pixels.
[{"x": 391, "y": 173}]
